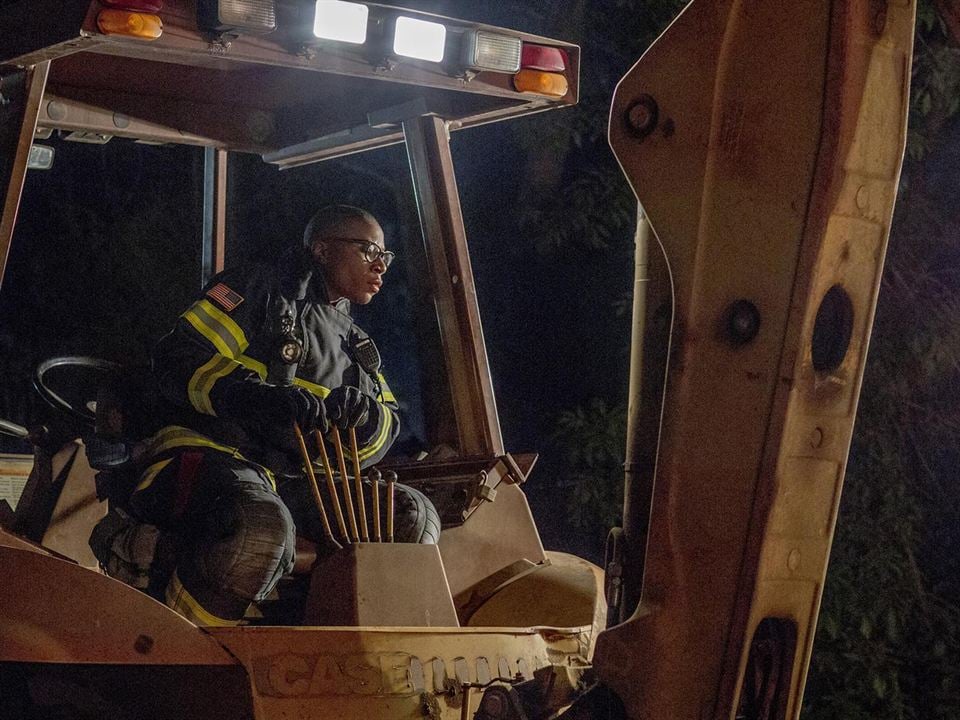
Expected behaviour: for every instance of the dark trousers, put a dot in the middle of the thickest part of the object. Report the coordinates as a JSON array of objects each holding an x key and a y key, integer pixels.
[{"x": 229, "y": 537}]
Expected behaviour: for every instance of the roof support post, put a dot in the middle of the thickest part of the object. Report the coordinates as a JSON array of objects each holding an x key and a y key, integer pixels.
[
  {"x": 214, "y": 212},
  {"x": 21, "y": 92},
  {"x": 445, "y": 240}
]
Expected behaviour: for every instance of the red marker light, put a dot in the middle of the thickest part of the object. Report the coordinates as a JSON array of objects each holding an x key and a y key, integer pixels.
[
  {"x": 541, "y": 57},
  {"x": 147, "y": 6}
]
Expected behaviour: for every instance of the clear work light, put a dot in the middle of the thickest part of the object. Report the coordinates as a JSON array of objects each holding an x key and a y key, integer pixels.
[
  {"x": 419, "y": 39},
  {"x": 252, "y": 16},
  {"x": 341, "y": 21},
  {"x": 488, "y": 51}
]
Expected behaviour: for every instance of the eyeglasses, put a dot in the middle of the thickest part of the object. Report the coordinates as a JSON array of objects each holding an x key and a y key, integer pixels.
[{"x": 371, "y": 251}]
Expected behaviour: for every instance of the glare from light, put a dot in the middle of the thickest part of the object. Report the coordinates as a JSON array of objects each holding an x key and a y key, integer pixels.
[
  {"x": 342, "y": 21},
  {"x": 419, "y": 39}
]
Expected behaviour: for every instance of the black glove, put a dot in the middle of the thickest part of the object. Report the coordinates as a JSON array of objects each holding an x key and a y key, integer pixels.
[
  {"x": 346, "y": 407},
  {"x": 280, "y": 405}
]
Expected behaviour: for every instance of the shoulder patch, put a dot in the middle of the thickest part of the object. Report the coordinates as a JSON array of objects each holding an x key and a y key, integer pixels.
[{"x": 224, "y": 296}]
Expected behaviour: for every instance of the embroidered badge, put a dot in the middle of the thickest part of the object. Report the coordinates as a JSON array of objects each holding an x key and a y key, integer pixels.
[{"x": 224, "y": 297}]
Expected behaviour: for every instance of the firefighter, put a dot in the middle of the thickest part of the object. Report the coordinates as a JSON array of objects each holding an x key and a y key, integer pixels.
[{"x": 263, "y": 348}]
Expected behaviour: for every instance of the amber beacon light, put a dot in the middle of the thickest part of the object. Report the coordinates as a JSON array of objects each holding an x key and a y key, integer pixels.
[{"x": 131, "y": 18}]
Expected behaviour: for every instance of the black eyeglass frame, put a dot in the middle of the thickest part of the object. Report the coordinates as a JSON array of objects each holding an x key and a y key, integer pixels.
[{"x": 371, "y": 251}]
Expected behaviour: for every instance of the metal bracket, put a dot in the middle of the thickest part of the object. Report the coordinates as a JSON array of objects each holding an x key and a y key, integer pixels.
[{"x": 383, "y": 127}]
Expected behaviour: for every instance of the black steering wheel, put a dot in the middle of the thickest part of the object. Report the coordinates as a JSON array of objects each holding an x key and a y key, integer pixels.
[{"x": 76, "y": 379}]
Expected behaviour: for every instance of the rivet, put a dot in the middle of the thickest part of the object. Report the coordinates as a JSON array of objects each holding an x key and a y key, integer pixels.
[
  {"x": 816, "y": 438},
  {"x": 143, "y": 644},
  {"x": 120, "y": 121},
  {"x": 793, "y": 560},
  {"x": 642, "y": 116}
]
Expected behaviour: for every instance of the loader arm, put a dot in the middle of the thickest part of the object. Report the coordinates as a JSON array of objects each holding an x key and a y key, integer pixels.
[{"x": 764, "y": 140}]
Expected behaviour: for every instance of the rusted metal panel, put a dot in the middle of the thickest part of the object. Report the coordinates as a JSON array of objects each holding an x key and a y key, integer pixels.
[
  {"x": 497, "y": 535},
  {"x": 381, "y": 584},
  {"x": 75, "y": 513},
  {"x": 769, "y": 175},
  {"x": 565, "y": 591},
  {"x": 386, "y": 672},
  {"x": 57, "y": 611}
]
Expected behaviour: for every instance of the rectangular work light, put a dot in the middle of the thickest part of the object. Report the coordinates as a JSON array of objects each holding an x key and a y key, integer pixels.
[
  {"x": 341, "y": 21},
  {"x": 252, "y": 16},
  {"x": 488, "y": 51},
  {"x": 419, "y": 39}
]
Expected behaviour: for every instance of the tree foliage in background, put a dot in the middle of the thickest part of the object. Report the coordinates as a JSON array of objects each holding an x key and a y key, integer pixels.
[
  {"x": 592, "y": 440},
  {"x": 577, "y": 207}
]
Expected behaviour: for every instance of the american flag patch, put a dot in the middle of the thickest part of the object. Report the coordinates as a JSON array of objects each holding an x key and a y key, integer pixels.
[{"x": 224, "y": 297}]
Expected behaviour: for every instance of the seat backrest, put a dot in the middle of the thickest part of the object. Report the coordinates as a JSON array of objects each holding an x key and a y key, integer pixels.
[{"x": 77, "y": 508}]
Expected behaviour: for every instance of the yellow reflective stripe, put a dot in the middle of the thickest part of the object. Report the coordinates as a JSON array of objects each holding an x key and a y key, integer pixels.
[
  {"x": 318, "y": 390},
  {"x": 258, "y": 367},
  {"x": 208, "y": 333},
  {"x": 175, "y": 436},
  {"x": 217, "y": 327},
  {"x": 178, "y": 598},
  {"x": 376, "y": 445},
  {"x": 203, "y": 380},
  {"x": 151, "y": 474},
  {"x": 227, "y": 323},
  {"x": 385, "y": 395}
]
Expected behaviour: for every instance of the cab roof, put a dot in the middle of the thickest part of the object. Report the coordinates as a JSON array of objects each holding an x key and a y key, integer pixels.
[{"x": 282, "y": 94}]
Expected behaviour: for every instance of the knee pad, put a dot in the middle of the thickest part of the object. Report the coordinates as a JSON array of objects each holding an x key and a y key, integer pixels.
[
  {"x": 416, "y": 519},
  {"x": 248, "y": 544}
]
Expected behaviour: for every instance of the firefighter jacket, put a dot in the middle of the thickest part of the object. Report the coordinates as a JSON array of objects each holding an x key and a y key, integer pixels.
[{"x": 234, "y": 333}]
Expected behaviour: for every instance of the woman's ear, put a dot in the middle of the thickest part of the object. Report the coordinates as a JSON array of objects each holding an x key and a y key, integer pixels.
[{"x": 319, "y": 251}]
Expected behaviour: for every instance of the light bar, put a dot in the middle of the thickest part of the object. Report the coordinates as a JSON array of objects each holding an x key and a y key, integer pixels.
[
  {"x": 419, "y": 39},
  {"x": 341, "y": 21},
  {"x": 486, "y": 51},
  {"x": 253, "y": 16}
]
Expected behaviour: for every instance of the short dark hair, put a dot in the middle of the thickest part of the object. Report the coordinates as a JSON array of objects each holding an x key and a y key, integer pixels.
[{"x": 329, "y": 217}]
